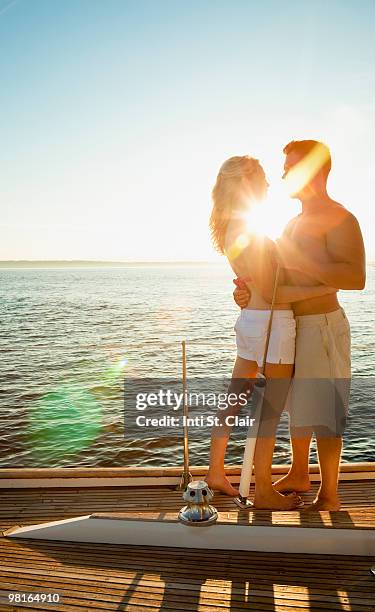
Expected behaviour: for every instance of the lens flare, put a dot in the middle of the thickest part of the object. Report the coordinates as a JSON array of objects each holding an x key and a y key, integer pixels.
[
  {"x": 239, "y": 244},
  {"x": 304, "y": 171},
  {"x": 115, "y": 371},
  {"x": 63, "y": 423}
]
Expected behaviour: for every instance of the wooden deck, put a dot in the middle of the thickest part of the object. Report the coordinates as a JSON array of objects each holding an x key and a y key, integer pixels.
[
  {"x": 30, "y": 506},
  {"x": 97, "y": 577},
  {"x": 118, "y": 577}
]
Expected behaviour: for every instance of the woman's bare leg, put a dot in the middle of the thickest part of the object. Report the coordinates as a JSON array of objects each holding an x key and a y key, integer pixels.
[
  {"x": 278, "y": 381},
  {"x": 275, "y": 396},
  {"x": 216, "y": 478}
]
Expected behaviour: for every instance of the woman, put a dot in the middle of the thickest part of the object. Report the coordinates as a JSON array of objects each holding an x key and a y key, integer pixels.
[{"x": 241, "y": 184}]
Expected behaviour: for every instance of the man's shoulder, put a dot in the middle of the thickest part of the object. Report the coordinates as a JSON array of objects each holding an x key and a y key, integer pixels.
[
  {"x": 336, "y": 208},
  {"x": 291, "y": 223},
  {"x": 339, "y": 212},
  {"x": 341, "y": 224}
]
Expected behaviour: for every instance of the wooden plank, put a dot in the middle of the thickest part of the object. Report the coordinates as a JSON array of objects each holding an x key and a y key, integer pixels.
[
  {"x": 9, "y": 483},
  {"x": 267, "y": 590},
  {"x": 143, "y": 589},
  {"x": 252, "y": 584},
  {"x": 113, "y": 567},
  {"x": 222, "y": 590},
  {"x": 349, "y": 489},
  {"x": 330, "y": 520},
  {"x": 30, "y": 506},
  {"x": 183, "y": 562},
  {"x": 174, "y": 562},
  {"x": 177, "y": 583},
  {"x": 134, "y": 472}
]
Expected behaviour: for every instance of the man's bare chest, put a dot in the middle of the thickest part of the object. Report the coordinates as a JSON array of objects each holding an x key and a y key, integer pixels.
[{"x": 309, "y": 233}]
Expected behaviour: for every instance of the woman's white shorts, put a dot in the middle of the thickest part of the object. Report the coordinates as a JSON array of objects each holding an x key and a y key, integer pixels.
[{"x": 251, "y": 331}]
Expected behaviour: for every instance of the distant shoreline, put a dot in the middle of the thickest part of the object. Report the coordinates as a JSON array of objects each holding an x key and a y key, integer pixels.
[
  {"x": 77, "y": 263},
  {"x": 24, "y": 264}
]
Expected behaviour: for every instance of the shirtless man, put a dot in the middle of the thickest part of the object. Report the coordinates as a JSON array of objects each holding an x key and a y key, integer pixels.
[{"x": 321, "y": 245}]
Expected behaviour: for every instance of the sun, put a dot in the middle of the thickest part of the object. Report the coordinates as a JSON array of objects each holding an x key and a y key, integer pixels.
[{"x": 270, "y": 217}]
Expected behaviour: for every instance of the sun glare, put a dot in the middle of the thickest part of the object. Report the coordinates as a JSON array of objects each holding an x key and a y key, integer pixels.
[
  {"x": 270, "y": 217},
  {"x": 302, "y": 173}
]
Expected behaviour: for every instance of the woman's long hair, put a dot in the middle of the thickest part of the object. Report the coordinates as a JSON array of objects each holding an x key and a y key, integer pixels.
[{"x": 231, "y": 194}]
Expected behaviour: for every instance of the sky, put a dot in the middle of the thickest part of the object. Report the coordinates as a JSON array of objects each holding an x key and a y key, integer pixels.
[{"x": 116, "y": 116}]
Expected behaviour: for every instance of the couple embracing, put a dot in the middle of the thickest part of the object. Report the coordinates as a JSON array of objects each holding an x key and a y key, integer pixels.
[{"x": 308, "y": 358}]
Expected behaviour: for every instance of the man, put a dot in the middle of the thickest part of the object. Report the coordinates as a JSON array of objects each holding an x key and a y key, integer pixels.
[{"x": 321, "y": 245}]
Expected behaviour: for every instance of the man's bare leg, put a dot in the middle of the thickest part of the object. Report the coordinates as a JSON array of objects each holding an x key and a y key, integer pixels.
[
  {"x": 329, "y": 452},
  {"x": 297, "y": 479}
]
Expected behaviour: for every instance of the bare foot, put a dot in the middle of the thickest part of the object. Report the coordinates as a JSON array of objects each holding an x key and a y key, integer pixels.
[
  {"x": 324, "y": 503},
  {"x": 275, "y": 501},
  {"x": 290, "y": 482},
  {"x": 222, "y": 484}
]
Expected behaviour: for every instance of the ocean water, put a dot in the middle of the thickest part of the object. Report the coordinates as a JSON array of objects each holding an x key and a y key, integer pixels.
[{"x": 71, "y": 336}]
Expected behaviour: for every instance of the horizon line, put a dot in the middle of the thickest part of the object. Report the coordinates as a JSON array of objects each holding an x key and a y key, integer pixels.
[
  {"x": 103, "y": 261},
  {"x": 108, "y": 262}
]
